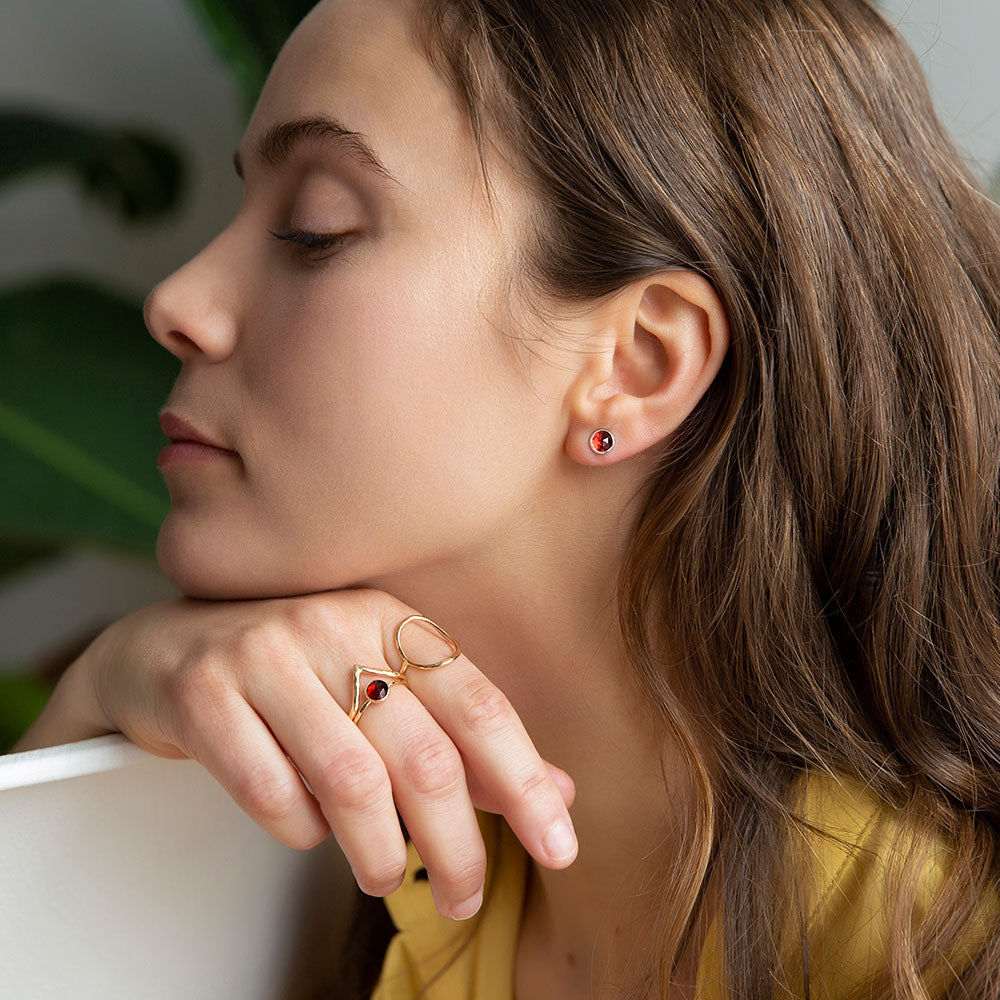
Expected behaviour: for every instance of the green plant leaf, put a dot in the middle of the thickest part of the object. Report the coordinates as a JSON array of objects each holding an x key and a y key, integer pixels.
[
  {"x": 133, "y": 172},
  {"x": 17, "y": 554},
  {"x": 22, "y": 698},
  {"x": 80, "y": 389},
  {"x": 248, "y": 34}
]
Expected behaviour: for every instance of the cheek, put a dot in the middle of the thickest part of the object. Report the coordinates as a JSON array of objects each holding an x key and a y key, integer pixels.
[{"x": 393, "y": 416}]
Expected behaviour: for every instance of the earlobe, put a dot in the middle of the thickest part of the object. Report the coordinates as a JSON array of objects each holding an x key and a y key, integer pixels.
[{"x": 669, "y": 334}]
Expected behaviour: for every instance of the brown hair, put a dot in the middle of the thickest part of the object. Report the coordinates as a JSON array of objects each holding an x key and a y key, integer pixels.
[{"x": 825, "y": 524}]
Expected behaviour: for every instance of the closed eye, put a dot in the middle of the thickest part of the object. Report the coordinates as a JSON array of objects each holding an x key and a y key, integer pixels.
[{"x": 312, "y": 242}]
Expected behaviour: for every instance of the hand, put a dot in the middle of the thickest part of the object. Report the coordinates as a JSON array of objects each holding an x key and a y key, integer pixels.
[{"x": 259, "y": 693}]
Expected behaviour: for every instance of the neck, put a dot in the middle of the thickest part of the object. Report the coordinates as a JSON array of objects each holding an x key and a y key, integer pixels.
[{"x": 536, "y": 615}]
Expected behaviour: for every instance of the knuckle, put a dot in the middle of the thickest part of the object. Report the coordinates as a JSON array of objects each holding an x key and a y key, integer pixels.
[
  {"x": 383, "y": 880},
  {"x": 534, "y": 786},
  {"x": 261, "y": 640},
  {"x": 352, "y": 618},
  {"x": 269, "y": 794},
  {"x": 385, "y": 613},
  {"x": 196, "y": 697},
  {"x": 465, "y": 876},
  {"x": 306, "y": 842},
  {"x": 434, "y": 767},
  {"x": 354, "y": 779},
  {"x": 196, "y": 685},
  {"x": 375, "y": 604},
  {"x": 486, "y": 708},
  {"x": 332, "y": 626},
  {"x": 309, "y": 617}
]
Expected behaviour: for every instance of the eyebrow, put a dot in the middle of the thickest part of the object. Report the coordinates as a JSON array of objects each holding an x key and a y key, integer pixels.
[{"x": 276, "y": 145}]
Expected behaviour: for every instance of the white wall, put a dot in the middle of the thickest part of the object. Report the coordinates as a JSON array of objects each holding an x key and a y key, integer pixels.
[
  {"x": 116, "y": 62},
  {"x": 148, "y": 63},
  {"x": 958, "y": 42}
]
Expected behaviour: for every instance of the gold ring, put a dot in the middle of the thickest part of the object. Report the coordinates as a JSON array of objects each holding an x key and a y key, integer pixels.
[
  {"x": 425, "y": 666},
  {"x": 377, "y": 689}
]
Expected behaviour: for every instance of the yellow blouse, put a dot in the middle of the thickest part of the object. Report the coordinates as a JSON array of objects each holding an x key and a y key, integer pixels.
[{"x": 848, "y": 923}]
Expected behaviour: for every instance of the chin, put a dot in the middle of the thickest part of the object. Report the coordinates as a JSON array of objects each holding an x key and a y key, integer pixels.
[
  {"x": 197, "y": 569},
  {"x": 230, "y": 569},
  {"x": 194, "y": 580}
]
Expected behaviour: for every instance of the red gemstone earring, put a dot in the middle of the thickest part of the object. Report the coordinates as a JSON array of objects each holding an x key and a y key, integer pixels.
[{"x": 601, "y": 441}]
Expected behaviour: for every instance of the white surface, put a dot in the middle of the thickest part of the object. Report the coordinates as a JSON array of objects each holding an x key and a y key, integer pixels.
[
  {"x": 72, "y": 760},
  {"x": 127, "y": 875}
]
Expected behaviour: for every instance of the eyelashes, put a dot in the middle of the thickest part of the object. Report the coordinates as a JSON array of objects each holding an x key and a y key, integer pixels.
[{"x": 313, "y": 243}]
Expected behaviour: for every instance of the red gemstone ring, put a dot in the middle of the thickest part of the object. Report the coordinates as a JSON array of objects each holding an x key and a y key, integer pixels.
[{"x": 377, "y": 689}]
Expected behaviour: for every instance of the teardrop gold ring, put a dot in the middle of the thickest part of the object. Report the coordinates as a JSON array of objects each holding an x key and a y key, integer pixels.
[
  {"x": 425, "y": 666},
  {"x": 377, "y": 689}
]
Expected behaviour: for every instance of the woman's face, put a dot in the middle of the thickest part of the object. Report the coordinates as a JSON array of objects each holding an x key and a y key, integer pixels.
[{"x": 380, "y": 422}]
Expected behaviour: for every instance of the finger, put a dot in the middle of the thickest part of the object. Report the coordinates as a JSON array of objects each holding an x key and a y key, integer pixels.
[
  {"x": 342, "y": 768},
  {"x": 491, "y": 738},
  {"x": 567, "y": 786},
  {"x": 230, "y": 740},
  {"x": 485, "y": 801},
  {"x": 428, "y": 780}
]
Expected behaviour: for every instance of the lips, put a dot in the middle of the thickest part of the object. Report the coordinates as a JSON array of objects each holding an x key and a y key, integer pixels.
[{"x": 178, "y": 429}]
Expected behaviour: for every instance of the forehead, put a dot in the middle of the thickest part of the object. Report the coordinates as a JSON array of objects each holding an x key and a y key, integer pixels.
[{"x": 356, "y": 60}]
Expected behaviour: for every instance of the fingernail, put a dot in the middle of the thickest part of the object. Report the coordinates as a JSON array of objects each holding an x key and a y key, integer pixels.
[
  {"x": 467, "y": 908},
  {"x": 560, "y": 841}
]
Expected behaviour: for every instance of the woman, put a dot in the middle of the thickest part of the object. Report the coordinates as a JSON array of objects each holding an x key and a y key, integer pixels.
[{"x": 648, "y": 350}]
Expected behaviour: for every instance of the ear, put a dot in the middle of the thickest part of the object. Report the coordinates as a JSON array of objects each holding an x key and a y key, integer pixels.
[{"x": 657, "y": 345}]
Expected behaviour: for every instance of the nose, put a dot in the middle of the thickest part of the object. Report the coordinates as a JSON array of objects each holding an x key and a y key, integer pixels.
[{"x": 190, "y": 312}]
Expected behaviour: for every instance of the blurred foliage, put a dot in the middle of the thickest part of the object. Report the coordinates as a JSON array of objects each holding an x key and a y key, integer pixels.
[
  {"x": 80, "y": 388},
  {"x": 135, "y": 174},
  {"x": 22, "y": 696},
  {"x": 248, "y": 35},
  {"x": 82, "y": 381}
]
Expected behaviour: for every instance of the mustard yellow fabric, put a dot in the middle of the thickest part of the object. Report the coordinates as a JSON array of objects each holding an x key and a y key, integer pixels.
[{"x": 848, "y": 919}]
